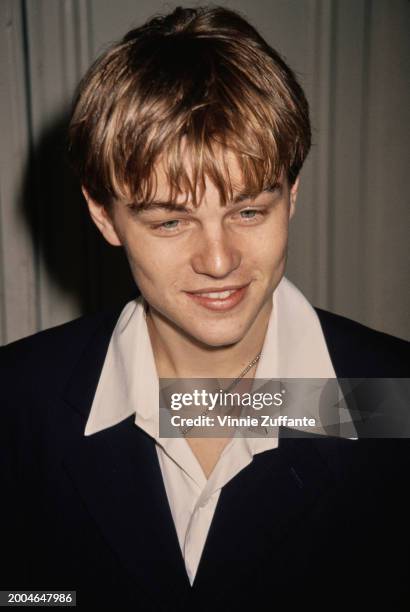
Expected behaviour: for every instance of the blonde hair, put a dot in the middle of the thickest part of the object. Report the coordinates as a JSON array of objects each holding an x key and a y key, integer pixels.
[{"x": 198, "y": 80}]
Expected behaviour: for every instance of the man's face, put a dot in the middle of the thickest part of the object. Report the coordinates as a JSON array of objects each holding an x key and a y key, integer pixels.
[{"x": 209, "y": 272}]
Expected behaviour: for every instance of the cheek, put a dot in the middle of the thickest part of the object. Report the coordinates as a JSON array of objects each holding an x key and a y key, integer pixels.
[
  {"x": 151, "y": 262},
  {"x": 270, "y": 246}
]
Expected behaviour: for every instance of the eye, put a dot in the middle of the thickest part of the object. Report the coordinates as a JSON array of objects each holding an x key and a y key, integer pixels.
[
  {"x": 169, "y": 225},
  {"x": 252, "y": 215},
  {"x": 172, "y": 226},
  {"x": 249, "y": 213}
]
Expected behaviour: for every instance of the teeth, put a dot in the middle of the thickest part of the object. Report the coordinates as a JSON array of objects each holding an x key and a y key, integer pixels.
[{"x": 221, "y": 295}]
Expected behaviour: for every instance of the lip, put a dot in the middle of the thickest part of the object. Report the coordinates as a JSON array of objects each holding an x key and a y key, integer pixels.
[
  {"x": 217, "y": 289},
  {"x": 219, "y": 305}
]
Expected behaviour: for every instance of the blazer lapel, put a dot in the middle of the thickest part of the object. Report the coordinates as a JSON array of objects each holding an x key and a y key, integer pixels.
[
  {"x": 258, "y": 508},
  {"x": 117, "y": 473}
]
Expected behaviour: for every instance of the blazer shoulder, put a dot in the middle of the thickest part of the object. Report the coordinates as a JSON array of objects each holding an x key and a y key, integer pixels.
[
  {"x": 360, "y": 351},
  {"x": 53, "y": 348}
]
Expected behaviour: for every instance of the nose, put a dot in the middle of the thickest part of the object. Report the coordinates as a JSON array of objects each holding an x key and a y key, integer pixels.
[{"x": 216, "y": 253}]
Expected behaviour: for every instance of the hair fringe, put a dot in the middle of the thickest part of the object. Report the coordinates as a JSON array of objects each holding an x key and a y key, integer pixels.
[{"x": 198, "y": 85}]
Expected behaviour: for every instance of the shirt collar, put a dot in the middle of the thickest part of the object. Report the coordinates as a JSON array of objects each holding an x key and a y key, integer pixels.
[{"x": 129, "y": 381}]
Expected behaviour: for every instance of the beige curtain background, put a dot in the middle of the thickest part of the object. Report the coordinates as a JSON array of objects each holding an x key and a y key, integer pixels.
[{"x": 349, "y": 238}]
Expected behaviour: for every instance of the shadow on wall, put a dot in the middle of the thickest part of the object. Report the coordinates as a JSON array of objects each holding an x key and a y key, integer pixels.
[{"x": 72, "y": 254}]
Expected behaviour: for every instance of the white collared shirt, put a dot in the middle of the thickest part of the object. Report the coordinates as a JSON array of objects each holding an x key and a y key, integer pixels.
[{"x": 294, "y": 347}]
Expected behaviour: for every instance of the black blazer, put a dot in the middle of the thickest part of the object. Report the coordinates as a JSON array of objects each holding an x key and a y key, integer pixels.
[{"x": 320, "y": 519}]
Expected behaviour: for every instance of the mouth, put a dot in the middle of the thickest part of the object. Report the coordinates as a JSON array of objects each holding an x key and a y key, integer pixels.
[{"x": 222, "y": 299}]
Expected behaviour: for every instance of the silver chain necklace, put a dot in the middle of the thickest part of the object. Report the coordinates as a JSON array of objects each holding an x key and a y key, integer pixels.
[{"x": 250, "y": 365}]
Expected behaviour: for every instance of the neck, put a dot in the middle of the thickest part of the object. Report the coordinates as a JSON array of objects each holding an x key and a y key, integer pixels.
[{"x": 179, "y": 356}]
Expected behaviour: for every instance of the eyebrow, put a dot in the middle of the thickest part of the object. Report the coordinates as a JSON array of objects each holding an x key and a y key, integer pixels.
[{"x": 140, "y": 207}]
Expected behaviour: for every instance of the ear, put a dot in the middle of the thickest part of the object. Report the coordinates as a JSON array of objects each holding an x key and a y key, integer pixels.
[
  {"x": 102, "y": 220},
  {"x": 293, "y": 196}
]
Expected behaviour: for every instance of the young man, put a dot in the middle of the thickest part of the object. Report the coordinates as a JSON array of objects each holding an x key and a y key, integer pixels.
[{"x": 189, "y": 136}]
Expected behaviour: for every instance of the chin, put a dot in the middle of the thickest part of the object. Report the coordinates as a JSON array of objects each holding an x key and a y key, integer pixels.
[{"x": 217, "y": 338}]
